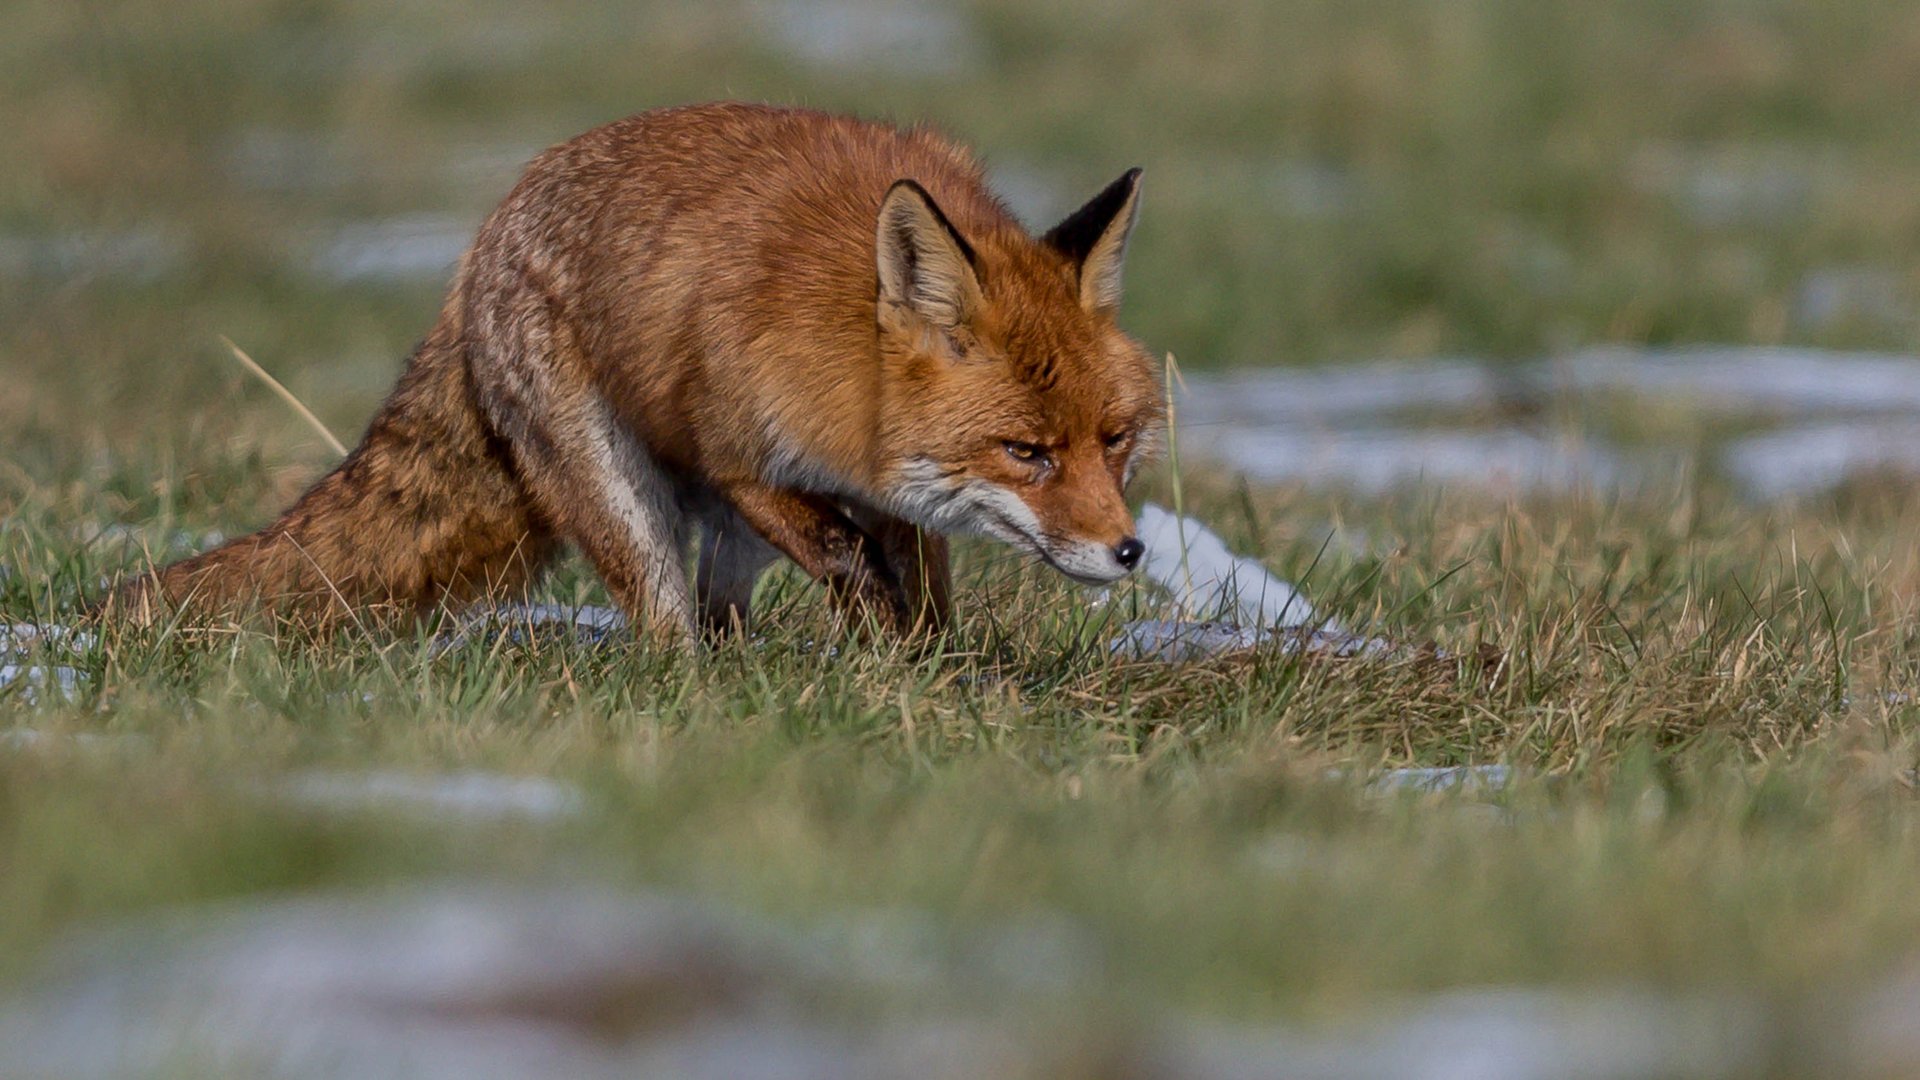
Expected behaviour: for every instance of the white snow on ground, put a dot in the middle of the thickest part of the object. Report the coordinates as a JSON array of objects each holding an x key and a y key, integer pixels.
[
  {"x": 1811, "y": 458},
  {"x": 1743, "y": 379},
  {"x": 30, "y": 681},
  {"x": 522, "y": 623},
  {"x": 1463, "y": 779},
  {"x": 492, "y": 982},
  {"x": 1381, "y": 459},
  {"x": 1319, "y": 395},
  {"x": 1206, "y": 581},
  {"x": 133, "y": 254},
  {"x": 21, "y": 637},
  {"x": 403, "y": 248},
  {"x": 1172, "y": 641},
  {"x": 24, "y": 648},
  {"x": 1224, "y": 603},
  {"x": 1823, "y": 416},
  {"x": 909, "y": 37},
  {"x": 470, "y": 796}
]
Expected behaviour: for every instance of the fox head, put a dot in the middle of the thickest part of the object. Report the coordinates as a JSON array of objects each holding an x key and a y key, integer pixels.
[{"x": 1015, "y": 406}]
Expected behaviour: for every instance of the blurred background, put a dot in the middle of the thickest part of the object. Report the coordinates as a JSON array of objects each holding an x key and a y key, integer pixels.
[{"x": 1494, "y": 180}]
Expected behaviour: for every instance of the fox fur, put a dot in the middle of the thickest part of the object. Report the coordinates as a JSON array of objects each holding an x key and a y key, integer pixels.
[{"x": 795, "y": 333}]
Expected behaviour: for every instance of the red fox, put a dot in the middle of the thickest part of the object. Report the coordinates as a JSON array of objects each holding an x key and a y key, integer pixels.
[{"x": 808, "y": 335}]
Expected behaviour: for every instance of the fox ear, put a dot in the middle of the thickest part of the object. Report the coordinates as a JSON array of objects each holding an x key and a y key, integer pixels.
[
  {"x": 925, "y": 265},
  {"x": 1095, "y": 238}
]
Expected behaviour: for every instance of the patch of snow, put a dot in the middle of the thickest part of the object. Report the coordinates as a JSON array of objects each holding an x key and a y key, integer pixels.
[
  {"x": 1384, "y": 459},
  {"x": 523, "y": 623},
  {"x": 1323, "y": 394},
  {"x": 411, "y": 247},
  {"x": 471, "y": 796},
  {"x": 1173, "y": 641},
  {"x": 901, "y": 37},
  {"x": 1377, "y": 427},
  {"x": 1500, "y": 1034},
  {"x": 18, "y": 637},
  {"x": 489, "y": 982},
  {"x": 1478, "y": 779},
  {"x": 1208, "y": 581},
  {"x": 1226, "y": 603},
  {"x": 142, "y": 254},
  {"x": 1745, "y": 379},
  {"x": 1806, "y": 460},
  {"x": 30, "y": 680},
  {"x": 475, "y": 982},
  {"x": 25, "y": 674}
]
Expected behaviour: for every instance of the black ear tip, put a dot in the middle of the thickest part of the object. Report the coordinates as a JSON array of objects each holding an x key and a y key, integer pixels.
[
  {"x": 1082, "y": 229},
  {"x": 928, "y": 204},
  {"x": 909, "y": 184}
]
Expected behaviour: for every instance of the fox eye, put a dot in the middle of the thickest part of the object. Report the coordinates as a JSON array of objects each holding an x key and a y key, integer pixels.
[
  {"x": 1026, "y": 452},
  {"x": 1117, "y": 440}
]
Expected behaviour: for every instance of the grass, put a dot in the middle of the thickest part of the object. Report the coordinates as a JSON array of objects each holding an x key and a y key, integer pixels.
[
  {"x": 1711, "y": 703},
  {"x": 1710, "y": 708}
]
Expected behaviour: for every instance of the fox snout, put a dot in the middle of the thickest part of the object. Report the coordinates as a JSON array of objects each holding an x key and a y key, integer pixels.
[
  {"x": 1094, "y": 562},
  {"x": 1092, "y": 538}
]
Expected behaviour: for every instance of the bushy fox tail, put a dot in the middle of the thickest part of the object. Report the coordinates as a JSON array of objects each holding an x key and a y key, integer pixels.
[{"x": 425, "y": 511}]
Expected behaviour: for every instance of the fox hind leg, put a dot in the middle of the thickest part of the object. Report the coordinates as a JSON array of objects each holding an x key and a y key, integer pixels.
[
  {"x": 607, "y": 495},
  {"x": 584, "y": 470}
]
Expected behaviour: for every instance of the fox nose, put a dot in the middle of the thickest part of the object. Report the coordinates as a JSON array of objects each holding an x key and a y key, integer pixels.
[{"x": 1127, "y": 552}]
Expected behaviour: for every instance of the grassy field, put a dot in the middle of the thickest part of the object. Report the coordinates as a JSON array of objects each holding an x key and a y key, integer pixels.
[
  {"x": 1711, "y": 705},
  {"x": 1711, "y": 709}
]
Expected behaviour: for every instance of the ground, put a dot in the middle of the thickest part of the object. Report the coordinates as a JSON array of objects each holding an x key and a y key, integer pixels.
[{"x": 1707, "y": 696}]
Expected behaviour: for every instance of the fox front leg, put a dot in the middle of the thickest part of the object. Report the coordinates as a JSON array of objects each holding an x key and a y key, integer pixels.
[
  {"x": 834, "y": 551},
  {"x": 920, "y": 561}
]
